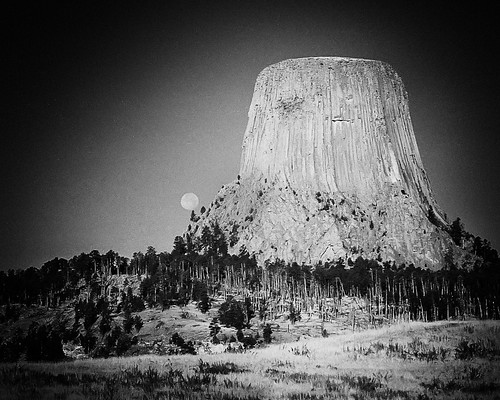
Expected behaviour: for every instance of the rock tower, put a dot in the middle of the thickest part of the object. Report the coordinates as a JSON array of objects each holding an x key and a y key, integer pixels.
[{"x": 330, "y": 168}]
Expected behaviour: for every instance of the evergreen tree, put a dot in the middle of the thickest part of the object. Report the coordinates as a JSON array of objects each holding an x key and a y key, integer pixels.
[
  {"x": 294, "y": 314},
  {"x": 457, "y": 232},
  {"x": 128, "y": 322},
  {"x": 138, "y": 324},
  {"x": 179, "y": 246},
  {"x": 219, "y": 241},
  {"x": 214, "y": 327},
  {"x": 105, "y": 323},
  {"x": 249, "y": 311},
  {"x": 123, "y": 343},
  {"x": 204, "y": 304},
  {"x": 90, "y": 314},
  {"x": 263, "y": 310},
  {"x": 267, "y": 333},
  {"x": 232, "y": 313},
  {"x": 42, "y": 344},
  {"x": 206, "y": 241},
  {"x": 152, "y": 261},
  {"x": 193, "y": 217},
  {"x": 12, "y": 348}
]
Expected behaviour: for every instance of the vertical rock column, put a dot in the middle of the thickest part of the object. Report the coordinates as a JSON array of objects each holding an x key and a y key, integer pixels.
[
  {"x": 330, "y": 168},
  {"x": 337, "y": 125}
]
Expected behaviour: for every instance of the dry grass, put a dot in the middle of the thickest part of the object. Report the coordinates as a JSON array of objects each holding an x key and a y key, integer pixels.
[{"x": 406, "y": 361}]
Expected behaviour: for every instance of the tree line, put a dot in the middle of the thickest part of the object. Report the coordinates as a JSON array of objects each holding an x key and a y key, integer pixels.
[{"x": 200, "y": 269}]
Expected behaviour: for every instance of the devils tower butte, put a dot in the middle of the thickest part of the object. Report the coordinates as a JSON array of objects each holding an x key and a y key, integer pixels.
[{"x": 330, "y": 168}]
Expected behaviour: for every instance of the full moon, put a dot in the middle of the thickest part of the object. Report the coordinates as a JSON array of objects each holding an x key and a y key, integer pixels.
[{"x": 189, "y": 201}]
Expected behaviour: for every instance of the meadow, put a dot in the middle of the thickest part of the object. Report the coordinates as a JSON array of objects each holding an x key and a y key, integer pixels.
[{"x": 412, "y": 360}]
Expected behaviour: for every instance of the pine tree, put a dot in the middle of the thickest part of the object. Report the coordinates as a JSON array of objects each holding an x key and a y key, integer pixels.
[
  {"x": 128, "y": 322},
  {"x": 179, "y": 246},
  {"x": 294, "y": 314},
  {"x": 138, "y": 324},
  {"x": 232, "y": 313},
  {"x": 457, "y": 232},
  {"x": 204, "y": 304},
  {"x": 267, "y": 333},
  {"x": 249, "y": 311},
  {"x": 214, "y": 327}
]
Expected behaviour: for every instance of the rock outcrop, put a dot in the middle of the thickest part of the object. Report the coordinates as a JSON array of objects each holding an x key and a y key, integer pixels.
[{"x": 330, "y": 168}]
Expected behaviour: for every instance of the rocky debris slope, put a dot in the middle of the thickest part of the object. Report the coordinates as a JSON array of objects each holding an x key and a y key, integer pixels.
[{"x": 330, "y": 168}]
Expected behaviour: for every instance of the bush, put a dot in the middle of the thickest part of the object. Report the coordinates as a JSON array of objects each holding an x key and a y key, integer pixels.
[
  {"x": 219, "y": 368},
  {"x": 214, "y": 327},
  {"x": 184, "y": 347},
  {"x": 249, "y": 342},
  {"x": 467, "y": 350},
  {"x": 105, "y": 324},
  {"x": 138, "y": 324},
  {"x": 12, "y": 313},
  {"x": 12, "y": 348},
  {"x": 128, "y": 322},
  {"x": 294, "y": 314},
  {"x": 267, "y": 333},
  {"x": 101, "y": 351},
  {"x": 43, "y": 344},
  {"x": 232, "y": 313},
  {"x": 249, "y": 311},
  {"x": 132, "y": 303},
  {"x": 88, "y": 342},
  {"x": 204, "y": 304},
  {"x": 111, "y": 338},
  {"x": 123, "y": 343}
]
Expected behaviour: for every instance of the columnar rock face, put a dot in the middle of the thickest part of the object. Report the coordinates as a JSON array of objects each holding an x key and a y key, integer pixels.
[{"x": 330, "y": 168}]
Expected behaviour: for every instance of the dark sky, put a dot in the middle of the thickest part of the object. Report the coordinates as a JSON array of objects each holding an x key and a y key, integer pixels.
[{"x": 110, "y": 114}]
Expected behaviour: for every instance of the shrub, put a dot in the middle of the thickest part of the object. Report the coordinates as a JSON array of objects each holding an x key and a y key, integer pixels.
[
  {"x": 105, "y": 323},
  {"x": 267, "y": 333},
  {"x": 204, "y": 304},
  {"x": 88, "y": 342},
  {"x": 90, "y": 314},
  {"x": 231, "y": 313},
  {"x": 469, "y": 349},
  {"x": 249, "y": 342},
  {"x": 214, "y": 327},
  {"x": 263, "y": 310},
  {"x": 128, "y": 322},
  {"x": 12, "y": 313},
  {"x": 123, "y": 343},
  {"x": 303, "y": 351},
  {"x": 294, "y": 314},
  {"x": 111, "y": 339},
  {"x": 138, "y": 323},
  {"x": 101, "y": 351},
  {"x": 132, "y": 302},
  {"x": 12, "y": 348},
  {"x": 43, "y": 344},
  {"x": 184, "y": 347},
  {"x": 218, "y": 368},
  {"x": 249, "y": 311}
]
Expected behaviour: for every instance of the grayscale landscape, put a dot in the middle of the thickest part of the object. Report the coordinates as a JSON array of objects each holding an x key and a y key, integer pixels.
[{"x": 316, "y": 250}]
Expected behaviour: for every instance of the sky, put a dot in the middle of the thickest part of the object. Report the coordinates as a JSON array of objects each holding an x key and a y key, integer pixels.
[{"x": 112, "y": 112}]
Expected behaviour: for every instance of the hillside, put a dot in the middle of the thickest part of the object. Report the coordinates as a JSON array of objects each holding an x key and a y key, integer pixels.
[
  {"x": 194, "y": 325},
  {"x": 441, "y": 360}
]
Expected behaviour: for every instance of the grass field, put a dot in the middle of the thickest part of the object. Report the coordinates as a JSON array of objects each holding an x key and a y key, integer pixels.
[{"x": 441, "y": 360}]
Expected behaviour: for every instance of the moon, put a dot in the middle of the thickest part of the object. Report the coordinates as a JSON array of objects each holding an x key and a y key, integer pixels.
[{"x": 189, "y": 201}]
